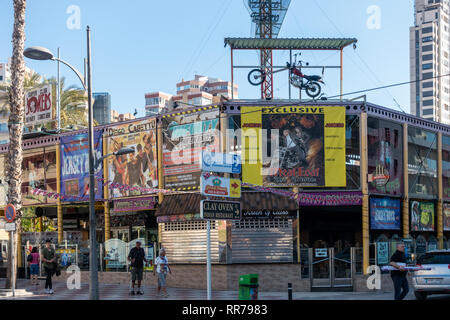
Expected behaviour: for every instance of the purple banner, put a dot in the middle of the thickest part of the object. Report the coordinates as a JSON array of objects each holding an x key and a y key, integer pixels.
[
  {"x": 330, "y": 199},
  {"x": 136, "y": 204}
]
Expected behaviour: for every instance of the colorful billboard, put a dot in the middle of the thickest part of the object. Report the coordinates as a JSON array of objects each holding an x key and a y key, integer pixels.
[
  {"x": 422, "y": 216},
  {"x": 134, "y": 169},
  {"x": 185, "y": 136},
  {"x": 75, "y": 165},
  {"x": 385, "y": 214},
  {"x": 446, "y": 216},
  {"x": 385, "y": 156},
  {"x": 293, "y": 146}
]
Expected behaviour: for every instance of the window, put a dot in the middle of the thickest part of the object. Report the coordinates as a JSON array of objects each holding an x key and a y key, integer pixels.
[
  {"x": 427, "y": 66},
  {"x": 427, "y": 103},
  {"x": 427, "y": 85},
  {"x": 427, "y": 39},
  {"x": 427, "y": 48},
  {"x": 427, "y": 94},
  {"x": 427, "y": 57},
  {"x": 427, "y": 30},
  {"x": 427, "y": 112},
  {"x": 427, "y": 75}
]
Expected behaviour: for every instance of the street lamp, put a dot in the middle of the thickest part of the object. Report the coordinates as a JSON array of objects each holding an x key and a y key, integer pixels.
[{"x": 40, "y": 53}]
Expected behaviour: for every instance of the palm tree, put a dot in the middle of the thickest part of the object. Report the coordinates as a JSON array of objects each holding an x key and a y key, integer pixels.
[
  {"x": 13, "y": 168},
  {"x": 73, "y": 104}
]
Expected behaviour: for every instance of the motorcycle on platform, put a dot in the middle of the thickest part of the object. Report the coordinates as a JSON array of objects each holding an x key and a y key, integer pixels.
[{"x": 312, "y": 85}]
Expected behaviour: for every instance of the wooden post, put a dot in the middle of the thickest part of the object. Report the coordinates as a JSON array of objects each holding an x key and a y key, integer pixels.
[
  {"x": 342, "y": 74},
  {"x": 106, "y": 191},
  {"x": 439, "y": 211},
  {"x": 405, "y": 206},
  {"x": 58, "y": 190},
  {"x": 365, "y": 191}
]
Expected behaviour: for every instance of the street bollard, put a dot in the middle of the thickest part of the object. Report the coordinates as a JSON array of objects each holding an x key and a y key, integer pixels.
[{"x": 289, "y": 291}]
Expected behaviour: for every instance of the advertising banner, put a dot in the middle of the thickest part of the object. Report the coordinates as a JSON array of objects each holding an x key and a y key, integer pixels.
[
  {"x": 75, "y": 165},
  {"x": 350, "y": 198},
  {"x": 137, "y": 204},
  {"x": 39, "y": 105},
  {"x": 446, "y": 217},
  {"x": 422, "y": 216},
  {"x": 134, "y": 169},
  {"x": 212, "y": 185},
  {"x": 3, "y": 184},
  {"x": 268, "y": 214},
  {"x": 293, "y": 146},
  {"x": 382, "y": 253},
  {"x": 186, "y": 135},
  {"x": 384, "y": 214},
  {"x": 385, "y": 156}
]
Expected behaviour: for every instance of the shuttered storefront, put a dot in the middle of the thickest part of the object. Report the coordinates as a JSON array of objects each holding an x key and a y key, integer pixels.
[
  {"x": 262, "y": 241},
  {"x": 185, "y": 241}
]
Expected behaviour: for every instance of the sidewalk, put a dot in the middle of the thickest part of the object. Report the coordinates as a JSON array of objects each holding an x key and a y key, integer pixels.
[{"x": 121, "y": 292}]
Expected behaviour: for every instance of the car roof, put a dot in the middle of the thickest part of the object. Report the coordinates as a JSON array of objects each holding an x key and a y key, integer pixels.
[{"x": 439, "y": 251}]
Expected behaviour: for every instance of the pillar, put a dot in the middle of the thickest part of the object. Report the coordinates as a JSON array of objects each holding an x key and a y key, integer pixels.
[
  {"x": 106, "y": 192},
  {"x": 297, "y": 228},
  {"x": 58, "y": 190},
  {"x": 365, "y": 191},
  {"x": 439, "y": 211},
  {"x": 405, "y": 204},
  {"x": 18, "y": 249},
  {"x": 159, "y": 146}
]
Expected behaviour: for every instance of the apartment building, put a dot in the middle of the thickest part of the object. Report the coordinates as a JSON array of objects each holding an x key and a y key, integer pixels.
[{"x": 429, "y": 60}]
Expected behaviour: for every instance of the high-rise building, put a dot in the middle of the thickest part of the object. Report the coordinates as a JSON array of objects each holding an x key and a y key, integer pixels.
[
  {"x": 429, "y": 60},
  {"x": 102, "y": 107},
  {"x": 199, "y": 92}
]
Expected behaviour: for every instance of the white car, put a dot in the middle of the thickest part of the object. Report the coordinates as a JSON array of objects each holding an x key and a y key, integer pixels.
[{"x": 436, "y": 280}]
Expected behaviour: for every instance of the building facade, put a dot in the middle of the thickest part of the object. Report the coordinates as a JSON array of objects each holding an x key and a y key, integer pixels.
[
  {"x": 429, "y": 60},
  {"x": 374, "y": 177},
  {"x": 102, "y": 107},
  {"x": 200, "y": 91}
]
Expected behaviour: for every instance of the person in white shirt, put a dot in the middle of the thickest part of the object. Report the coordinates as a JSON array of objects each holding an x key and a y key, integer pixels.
[{"x": 162, "y": 267}]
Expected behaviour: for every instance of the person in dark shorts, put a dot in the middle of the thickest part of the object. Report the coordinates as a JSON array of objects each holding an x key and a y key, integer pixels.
[
  {"x": 137, "y": 258},
  {"x": 398, "y": 261}
]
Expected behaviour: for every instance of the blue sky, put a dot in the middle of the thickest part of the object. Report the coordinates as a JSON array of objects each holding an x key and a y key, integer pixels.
[{"x": 142, "y": 46}]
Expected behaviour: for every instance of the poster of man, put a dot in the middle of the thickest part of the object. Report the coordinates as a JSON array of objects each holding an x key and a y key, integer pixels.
[
  {"x": 301, "y": 146},
  {"x": 134, "y": 169},
  {"x": 422, "y": 216},
  {"x": 446, "y": 209},
  {"x": 185, "y": 136}
]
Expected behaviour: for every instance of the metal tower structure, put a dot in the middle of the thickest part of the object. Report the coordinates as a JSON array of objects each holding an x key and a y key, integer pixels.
[{"x": 267, "y": 17}]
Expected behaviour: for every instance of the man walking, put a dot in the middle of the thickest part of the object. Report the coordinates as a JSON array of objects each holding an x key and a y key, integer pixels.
[
  {"x": 137, "y": 258},
  {"x": 398, "y": 261},
  {"x": 162, "y": 267}
]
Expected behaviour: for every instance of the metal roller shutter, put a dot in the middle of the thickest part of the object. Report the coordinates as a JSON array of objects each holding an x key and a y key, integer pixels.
[
  {"x": 185, "y": 242},
  {"x": 262, "y": 241}
]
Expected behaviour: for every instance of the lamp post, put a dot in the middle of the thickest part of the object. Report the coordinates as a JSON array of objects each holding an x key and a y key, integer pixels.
[{"x": 40, "y": 53}]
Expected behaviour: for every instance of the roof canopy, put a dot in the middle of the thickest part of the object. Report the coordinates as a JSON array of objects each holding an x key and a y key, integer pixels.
[{"x": 290, "y": 43}]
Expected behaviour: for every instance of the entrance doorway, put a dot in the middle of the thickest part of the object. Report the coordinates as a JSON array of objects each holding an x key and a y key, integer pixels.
[{"x": 331, "y": 234}]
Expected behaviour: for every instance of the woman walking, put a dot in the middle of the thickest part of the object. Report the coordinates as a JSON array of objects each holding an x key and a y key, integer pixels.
[{"x": 34, "y": 266}]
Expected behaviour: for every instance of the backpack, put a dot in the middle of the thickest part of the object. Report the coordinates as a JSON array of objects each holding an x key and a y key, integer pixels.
[{"x": 29, "y": 258}]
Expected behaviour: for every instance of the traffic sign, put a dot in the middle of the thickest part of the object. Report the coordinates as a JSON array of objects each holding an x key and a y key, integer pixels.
[
  {"x": 211, "y": 185},
  {"x": 10, "y": 226},
  {"x": 10, "y": 213},
  {"x": 220, "y": 210},
  {"x": 220, "y": 162}
]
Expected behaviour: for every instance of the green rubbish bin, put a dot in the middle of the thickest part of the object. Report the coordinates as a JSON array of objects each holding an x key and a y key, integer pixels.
[{"x": 248, "y": 287}]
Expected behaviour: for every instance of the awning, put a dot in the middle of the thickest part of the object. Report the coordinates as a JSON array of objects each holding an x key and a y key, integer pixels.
[
  {"x": 290, "y": 43},
  {"x": 189, "y": 203}
]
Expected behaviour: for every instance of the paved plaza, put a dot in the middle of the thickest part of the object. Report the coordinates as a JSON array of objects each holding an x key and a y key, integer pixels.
[{"x": 121, "y": 292}]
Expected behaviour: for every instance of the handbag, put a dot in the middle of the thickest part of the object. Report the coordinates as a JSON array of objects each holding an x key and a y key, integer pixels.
[{"x": 29, "y": 258}]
